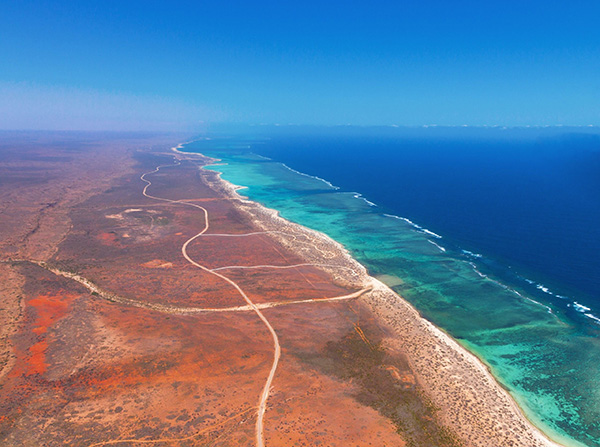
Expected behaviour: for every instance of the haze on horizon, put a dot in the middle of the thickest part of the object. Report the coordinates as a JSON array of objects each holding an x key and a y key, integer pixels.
[{"x": 177, "y": 66}]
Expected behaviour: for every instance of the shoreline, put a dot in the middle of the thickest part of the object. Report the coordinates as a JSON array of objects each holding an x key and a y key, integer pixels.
[{"x": 450, "y": 374}]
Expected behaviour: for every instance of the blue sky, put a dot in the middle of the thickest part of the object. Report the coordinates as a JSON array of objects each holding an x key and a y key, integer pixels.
[{"x": 174, "y": 65}]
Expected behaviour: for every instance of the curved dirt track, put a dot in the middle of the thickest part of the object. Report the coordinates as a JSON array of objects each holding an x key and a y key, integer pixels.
[
  {"x": 262, "y": 403},
  {"x": 186, "y": 310},
  {"x": 251, "y": 306}
]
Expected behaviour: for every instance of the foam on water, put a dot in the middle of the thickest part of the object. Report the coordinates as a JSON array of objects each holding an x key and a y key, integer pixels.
[
  {"x": 310, "y": 176},
  {"x": 470, "y": 253},
  {"x": 358, "y": 195},
  {"x": 548, "y": 308},
  {"x": 476, "y": 270},
  {"x": 542, "y": 287},
  {"x": 430, "y": 233},
  {"x": 528, "y": 335},
  {"x": 580, "y": 308},
  {"x": 416, "y": 226},
  {"x": 442, "y": 249},
  {"x": 262, "y": 157}
]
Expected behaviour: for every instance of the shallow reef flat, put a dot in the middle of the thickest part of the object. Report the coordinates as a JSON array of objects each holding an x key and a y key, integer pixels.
[{"x": 152, "y": 304}]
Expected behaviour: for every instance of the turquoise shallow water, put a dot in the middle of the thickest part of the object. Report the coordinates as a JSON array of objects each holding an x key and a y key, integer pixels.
[{"x": 547, "y": 362}]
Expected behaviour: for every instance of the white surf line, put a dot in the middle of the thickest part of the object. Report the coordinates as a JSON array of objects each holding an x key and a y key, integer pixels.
[
  {"x": 262, "y": 405},
  {"x": 510, "y": 289}
]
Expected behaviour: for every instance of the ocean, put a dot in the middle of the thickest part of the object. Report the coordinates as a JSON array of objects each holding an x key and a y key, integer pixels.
[{"x": 492, "y": 234}]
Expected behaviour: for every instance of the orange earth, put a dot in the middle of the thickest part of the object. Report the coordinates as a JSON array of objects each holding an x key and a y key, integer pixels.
[{"x": 111, "y": 336}]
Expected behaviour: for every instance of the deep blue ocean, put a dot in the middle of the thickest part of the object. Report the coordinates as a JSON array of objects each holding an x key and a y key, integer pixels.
[
  {"x": 493, "y": 233},
  {"x": 528, "y": 202}
]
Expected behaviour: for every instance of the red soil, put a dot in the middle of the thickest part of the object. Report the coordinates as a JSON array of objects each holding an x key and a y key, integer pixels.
[{"x": 89, "y": 372}]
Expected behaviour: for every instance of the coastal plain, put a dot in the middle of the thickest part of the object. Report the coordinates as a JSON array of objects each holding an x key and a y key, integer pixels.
[{"x": 144, "y": 301}]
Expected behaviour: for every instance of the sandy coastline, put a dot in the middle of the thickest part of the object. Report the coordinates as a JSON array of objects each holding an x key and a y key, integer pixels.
[{"x": 470, "y": 400}]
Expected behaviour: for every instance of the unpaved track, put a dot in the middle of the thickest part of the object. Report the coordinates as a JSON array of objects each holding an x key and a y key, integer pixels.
[
  {"x": 166, "y": 308},
  {"x": 262, "y": 403},
  {"x": 308, "y": 264},
  {"x": 251, "y": 306}
]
